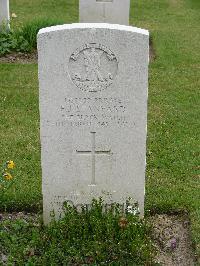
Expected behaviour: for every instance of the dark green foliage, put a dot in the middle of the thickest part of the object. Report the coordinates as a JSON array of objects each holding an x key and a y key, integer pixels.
[
  {"x": 24, "y": 39},
  {"x": 29, "y": 31},
  {"x": 89, "y": 237},
  {"x": 10, "y": 41}
]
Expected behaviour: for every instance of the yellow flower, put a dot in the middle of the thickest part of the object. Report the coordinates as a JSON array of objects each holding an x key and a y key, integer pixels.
[
  {"x": 7, "y": 176},
  {"x": 10, "y": 164}
]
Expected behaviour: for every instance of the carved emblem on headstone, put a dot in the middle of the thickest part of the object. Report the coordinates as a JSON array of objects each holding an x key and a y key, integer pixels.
[{"x": 93, "y": 67}]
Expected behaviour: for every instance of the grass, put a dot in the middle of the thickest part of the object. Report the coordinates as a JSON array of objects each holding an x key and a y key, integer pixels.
[
  {"x": 19, "y": 134},
  {"x": 27, "y": 10},
  {"x": 173, "y": 177}
]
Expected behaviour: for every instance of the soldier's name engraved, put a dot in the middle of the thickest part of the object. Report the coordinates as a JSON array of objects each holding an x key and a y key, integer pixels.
[
  {"x": 94, "y": 111},
  {"x": 86, "y": 104}
]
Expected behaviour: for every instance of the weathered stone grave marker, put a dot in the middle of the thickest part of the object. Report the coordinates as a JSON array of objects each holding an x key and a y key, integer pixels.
[
  {"x": 93, "y": 111},
  {"x": 4, "y": 13},
  {"x": 109, "y": 11}
]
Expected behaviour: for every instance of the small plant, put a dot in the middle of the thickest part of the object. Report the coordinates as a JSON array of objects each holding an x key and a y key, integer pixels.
[
  {"x": 89, "y": 237},
  {"x": 6, "y": 178},
  {"x": 10, "y": 41},
  {"x": 29, "y": 31},
  {"x": 24, "y": 39},
  {"x": 7, "y": 42}
]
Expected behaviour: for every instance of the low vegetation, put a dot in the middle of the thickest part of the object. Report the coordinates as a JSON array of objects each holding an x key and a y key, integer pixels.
[
  {"x": 23, "y": 39},
  {"x": 90, "y": 237}
]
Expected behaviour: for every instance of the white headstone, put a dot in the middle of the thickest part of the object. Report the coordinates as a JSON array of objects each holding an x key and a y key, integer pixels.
[
  {"x": 106, "y": 11},
  {"x": 4, "y": 13},
  {"x": 93, "y": 110}
]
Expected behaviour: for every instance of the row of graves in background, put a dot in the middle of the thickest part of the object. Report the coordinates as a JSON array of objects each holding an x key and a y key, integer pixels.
[
  {"x": 99, "y": 11},
  {"x": 4, "y": 14},
  {"x": 93, "y": 80},
  {"x": 110, "y": 11}
]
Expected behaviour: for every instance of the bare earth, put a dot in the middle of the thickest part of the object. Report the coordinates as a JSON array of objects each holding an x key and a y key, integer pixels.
[
  {"x": 21, "y": 58},
  {"x": 172, "y": 239}
]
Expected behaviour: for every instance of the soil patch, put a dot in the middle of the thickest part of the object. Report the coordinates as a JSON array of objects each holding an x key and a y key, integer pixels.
[
  {"x": 172, "y": 240},
  {"x": 22, "y": 58},
  {"x": 152, "y": 53},
  {"x": 28, "y": 217}
]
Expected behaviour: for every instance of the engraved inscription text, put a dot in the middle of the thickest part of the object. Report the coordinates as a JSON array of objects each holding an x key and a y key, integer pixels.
[{"x": 89, "y": 111}]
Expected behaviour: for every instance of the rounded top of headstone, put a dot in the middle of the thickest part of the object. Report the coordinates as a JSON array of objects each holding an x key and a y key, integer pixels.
[{"x": 94, "y": 26}]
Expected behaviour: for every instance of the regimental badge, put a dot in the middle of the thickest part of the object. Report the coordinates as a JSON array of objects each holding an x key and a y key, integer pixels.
[{"x": 93, "y": 67}]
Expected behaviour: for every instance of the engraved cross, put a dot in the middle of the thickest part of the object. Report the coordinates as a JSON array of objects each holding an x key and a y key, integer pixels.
[{"x": 93, "y": 154}]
